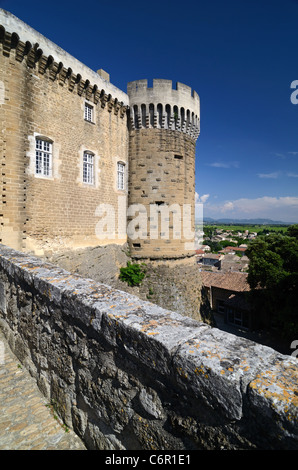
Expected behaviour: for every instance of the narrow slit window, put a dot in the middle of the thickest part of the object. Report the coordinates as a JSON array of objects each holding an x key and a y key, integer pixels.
[
  {"x": 43, "y": 157},
  {"x": 88, "y": 168},
  {"x": 178, "y": 157},
  {"x": 120, "y": 175}
]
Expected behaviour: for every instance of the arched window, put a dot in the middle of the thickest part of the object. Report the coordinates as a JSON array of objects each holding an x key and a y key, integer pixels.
[
  {"x": 182, "y": 115},
  {"x": 159, "y": 114},
  {"x": 168, "y": 112},
  {"x": 120, "y": 175},
  {"x": 43, "y": 156},
  {"x": 88, "y": 167},
  {"x": 143, "y": 110},
  {"x": 151, "y": 114},
  {"x": 188, "y": 116},
  {"x": 175, "y": 111},
  {"x": 136, "y": 115}
]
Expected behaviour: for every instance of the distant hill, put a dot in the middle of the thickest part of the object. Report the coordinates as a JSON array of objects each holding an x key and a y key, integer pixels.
[{"x": 209, "y": 220}]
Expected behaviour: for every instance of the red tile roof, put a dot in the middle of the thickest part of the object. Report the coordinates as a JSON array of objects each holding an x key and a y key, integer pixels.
[
  {"x": 233, "y": 281},
  {"x": 234, "y": 248}
]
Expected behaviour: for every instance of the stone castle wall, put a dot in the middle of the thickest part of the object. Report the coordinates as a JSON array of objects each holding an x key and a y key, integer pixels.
[
  {"x": 127, "y": 374},
  {"x": 43, "y": 94},
  {"x": 164, "y": 126},
  {"x": 162, "y": 181}
]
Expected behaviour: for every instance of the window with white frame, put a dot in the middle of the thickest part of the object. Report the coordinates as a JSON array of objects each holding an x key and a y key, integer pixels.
[
  {"x": 88, "y": 168},
  {"x": 88, "y": 113},
  {"x": 120, "y": 175},
  {"x": 43, "y": 157}
]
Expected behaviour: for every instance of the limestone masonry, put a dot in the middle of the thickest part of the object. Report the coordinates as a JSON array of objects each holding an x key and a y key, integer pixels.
[
  {"x": 127, "y": 374},
  {"x": 74, "y": 145},
  {"x": 84, "y": 164}
]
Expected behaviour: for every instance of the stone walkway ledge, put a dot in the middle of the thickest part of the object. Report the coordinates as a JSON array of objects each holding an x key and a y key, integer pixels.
[{"x": 27, "y": 421}]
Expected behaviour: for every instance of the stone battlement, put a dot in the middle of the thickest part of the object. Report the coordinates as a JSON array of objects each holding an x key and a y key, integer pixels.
[
  {"x": 162, "y": 86},
  {"x": 127, "y": 374},
  {"x": 164, "y": 107}
]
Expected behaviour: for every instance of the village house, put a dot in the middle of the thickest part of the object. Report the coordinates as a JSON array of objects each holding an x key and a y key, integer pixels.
[
  {"x": 209, "y": 259},
  {"x": 232, "y": 262},
  {"x": 226, "y": 293},
  {"x": 233, "y": 250}
]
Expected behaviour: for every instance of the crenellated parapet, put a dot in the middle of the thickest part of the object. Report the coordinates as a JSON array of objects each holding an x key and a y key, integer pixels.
[
  {"x": 164, "y": 107},
  {"x": 45, "y": 57}
]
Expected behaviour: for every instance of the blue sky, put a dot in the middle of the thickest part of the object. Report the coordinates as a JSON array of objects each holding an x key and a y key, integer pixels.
[{"x": 241, "y": 58}]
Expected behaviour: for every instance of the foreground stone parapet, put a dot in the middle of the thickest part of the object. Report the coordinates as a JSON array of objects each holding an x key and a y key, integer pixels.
[{"x": 127, "y": 374}]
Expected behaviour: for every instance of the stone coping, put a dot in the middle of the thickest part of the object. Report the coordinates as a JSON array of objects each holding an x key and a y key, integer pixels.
[{"x": 231, "y": 373}]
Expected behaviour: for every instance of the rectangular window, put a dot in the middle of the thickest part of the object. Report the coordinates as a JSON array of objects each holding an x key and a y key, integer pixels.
[
  {"x": 238, "y": 318},
  {"x": 120, "y": 175},
  {"x": 88, "y": 112},
  {"x": 220, "y": 306},
  {"x": 43, "y": 157},
  {"x": 88, "y": 168}
]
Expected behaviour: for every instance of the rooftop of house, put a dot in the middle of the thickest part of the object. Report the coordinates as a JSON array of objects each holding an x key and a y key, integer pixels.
[
  {"x": 233, "y": 281},
  {"x": 212, "y": 256},
  {"x": 234, "y": 248}
]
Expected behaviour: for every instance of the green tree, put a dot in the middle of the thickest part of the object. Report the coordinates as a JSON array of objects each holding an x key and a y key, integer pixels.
[
  {"x": 292, "y": 231},
  {"x": 273, "y": 276}
]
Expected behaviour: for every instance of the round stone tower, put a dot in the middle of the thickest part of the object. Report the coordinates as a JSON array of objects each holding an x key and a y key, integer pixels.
[{"x": 164, "y": 125}]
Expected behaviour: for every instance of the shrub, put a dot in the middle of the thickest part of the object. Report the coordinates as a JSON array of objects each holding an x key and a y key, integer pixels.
[{"x": 133, "y": 274}]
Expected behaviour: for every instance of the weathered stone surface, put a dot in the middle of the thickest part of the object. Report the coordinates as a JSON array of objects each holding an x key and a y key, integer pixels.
[
  {"x": 127, "y": 374},
  {"x": 172, "y": 285}
]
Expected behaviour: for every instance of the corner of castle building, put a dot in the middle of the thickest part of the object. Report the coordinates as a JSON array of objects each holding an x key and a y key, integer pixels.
[{"x": 10, "y": 26}]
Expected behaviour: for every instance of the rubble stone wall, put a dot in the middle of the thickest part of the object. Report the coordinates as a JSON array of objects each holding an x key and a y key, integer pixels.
[{"x": 127, "y": 374}]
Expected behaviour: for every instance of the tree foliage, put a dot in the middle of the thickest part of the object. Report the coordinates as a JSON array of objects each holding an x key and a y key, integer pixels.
[{"x": 273, "y": 278}]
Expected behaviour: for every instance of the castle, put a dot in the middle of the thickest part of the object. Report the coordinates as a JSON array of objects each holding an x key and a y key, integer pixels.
[{"x": 85, "y": 164}]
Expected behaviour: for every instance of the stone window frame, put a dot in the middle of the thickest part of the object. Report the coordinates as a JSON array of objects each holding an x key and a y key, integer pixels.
[
  {"x": 31, "y": 155},
  {"x": 96, "y": 181}
]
